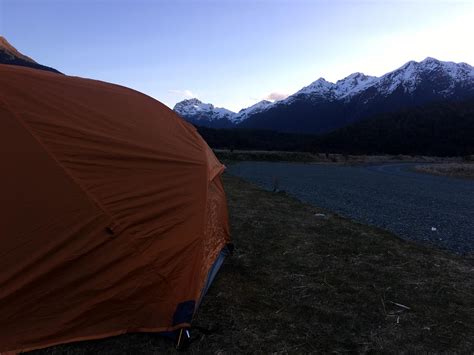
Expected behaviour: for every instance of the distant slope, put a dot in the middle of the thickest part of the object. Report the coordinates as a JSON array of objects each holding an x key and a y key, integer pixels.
[
  {"x": 255, "y": 139},
  {"x": 444, "y": 129},
  {"x": 11, "y": 56}
]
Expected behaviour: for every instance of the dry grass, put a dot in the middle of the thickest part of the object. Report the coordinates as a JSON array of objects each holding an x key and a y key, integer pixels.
[
  {"x": 306, "y": 157},
  {"x": 463, "y": 170},
  {"x": 300, "y": 283}
]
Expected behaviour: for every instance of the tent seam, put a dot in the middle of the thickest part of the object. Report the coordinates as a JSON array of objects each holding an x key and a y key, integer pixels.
[{"x": 90, "y": 196}]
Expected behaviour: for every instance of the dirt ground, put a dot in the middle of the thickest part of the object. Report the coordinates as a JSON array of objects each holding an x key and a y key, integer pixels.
[{"x": 304, "y": 280}]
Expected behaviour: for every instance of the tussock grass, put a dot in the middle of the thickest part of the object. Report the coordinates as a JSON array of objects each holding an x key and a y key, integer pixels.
[
  {"x": 463, "y": 170},
  {"x": 307, "y": 157},
  {"x": 304, "y": 282}
]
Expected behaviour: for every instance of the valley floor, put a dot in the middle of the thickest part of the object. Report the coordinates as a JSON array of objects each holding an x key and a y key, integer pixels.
[{"x": 305, "y": 280}]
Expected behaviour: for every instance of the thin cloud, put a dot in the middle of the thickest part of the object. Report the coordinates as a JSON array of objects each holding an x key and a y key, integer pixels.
[
  {"x": 187, "y": 94},
  {"x": 276, "y": 96}
]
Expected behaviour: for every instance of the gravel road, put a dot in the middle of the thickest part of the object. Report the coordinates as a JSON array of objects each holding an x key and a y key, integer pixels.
[{"x": 420, "y": 207}]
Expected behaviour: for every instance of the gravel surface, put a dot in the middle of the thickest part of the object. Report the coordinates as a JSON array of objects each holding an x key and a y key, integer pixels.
[{"x": 415, "y": 206}]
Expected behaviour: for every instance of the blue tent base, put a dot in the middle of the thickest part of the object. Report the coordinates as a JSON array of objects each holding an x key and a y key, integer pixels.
[
  {"x": 226, "y": 251},
  {"x": 184, "y": 311}
]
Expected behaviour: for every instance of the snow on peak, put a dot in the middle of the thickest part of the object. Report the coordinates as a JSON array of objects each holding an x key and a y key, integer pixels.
[
  {"x": 319, "y": 87},
  {"x": 343, "y": 88},
  {"x": 245, "y": 112},
  {"x": 409, "y": 75},
  {"x": 353, "y": 84},
  {"x": 194, "y": 107},
  {"x": 430, "y": 60},
  {"x": 405, "y": 76}
]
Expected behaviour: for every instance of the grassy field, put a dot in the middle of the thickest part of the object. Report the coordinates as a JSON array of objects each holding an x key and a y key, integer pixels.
[
  {"x": 306, "y": 157},
  {"x": 305, "y": 280},
  {"x": 462, "y": 170}
]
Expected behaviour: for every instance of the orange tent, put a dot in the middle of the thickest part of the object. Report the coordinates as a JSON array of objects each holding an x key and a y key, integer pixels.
[{"x": 113, "y": 214}]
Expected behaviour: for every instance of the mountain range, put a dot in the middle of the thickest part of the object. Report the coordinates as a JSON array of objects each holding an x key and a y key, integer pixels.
[
  {"x": 323, "y": 106},
  {"x": 208, "y": 115},
  {"x": 11, "y": 56}
]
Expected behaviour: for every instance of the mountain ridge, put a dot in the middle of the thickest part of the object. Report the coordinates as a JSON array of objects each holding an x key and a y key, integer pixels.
[{"x": 323, "y": 106}]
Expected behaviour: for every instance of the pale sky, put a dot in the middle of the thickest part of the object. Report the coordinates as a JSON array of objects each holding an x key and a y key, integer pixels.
[{"x": 233, "y": 53}]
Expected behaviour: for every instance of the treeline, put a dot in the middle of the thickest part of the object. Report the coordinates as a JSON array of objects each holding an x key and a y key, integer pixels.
[
  {"x": 443, "y": 129},
  {"x": 256, "y": 139}
]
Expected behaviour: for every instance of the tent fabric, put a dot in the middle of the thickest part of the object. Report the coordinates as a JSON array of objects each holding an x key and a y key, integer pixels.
[{"x": 112, "y": 211}]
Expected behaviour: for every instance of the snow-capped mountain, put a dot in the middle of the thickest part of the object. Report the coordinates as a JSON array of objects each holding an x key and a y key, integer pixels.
[
  {"x": 412, "y": 75},
  {"x": 346, "y": 87},
  {"x": 407, "y": 77},
  {"x": 323, "y": 106},
  {"x": 246, "y": 112},
  {"x": 208, "y": 115},
  {"x": 203, "y": 114}
]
